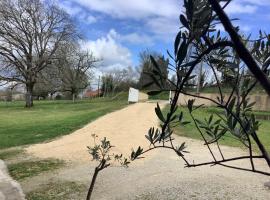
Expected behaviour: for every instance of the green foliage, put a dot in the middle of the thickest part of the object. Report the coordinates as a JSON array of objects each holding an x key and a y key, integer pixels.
[
  {"x": 203, "y": 113},
  {"x": 102, "y": 153},
  {"x": 199, "y": 42},
  {"x": 153, "y": 137},
  {"x": 136, "y": 154},
  {"x": 28, "y": 169}
]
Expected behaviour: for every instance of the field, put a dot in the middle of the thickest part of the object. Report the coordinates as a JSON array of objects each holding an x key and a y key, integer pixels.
[
  {"x": 50, "y": 119},
  {"x": 71, "y": 164},
  {"x": 190, "y": 130}
]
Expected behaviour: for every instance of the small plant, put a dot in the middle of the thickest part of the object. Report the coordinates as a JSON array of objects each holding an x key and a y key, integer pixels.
[{"x": 102, "y": 154}]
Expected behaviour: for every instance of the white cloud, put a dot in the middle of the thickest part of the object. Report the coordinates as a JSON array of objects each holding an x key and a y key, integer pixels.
[
  {"x": 159, "y": 17},
  {"x": 236, "y": 7},
  {"x": 257, "y": 2},
  {"x": 78, "y": 12},
  {"x": 112, "y": 53},
  {"x": 90, "y": 19},
  {"x": 163, "y": 27},
  {"x": 134, "y": 9},
  {"x": 243, "y": 28},
  {"x": 135, "y": 38}
]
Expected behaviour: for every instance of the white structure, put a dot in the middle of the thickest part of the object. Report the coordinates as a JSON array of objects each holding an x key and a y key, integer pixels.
[
  {"x": 133, "y": 95},
  {"x": 170, "y": 97}
]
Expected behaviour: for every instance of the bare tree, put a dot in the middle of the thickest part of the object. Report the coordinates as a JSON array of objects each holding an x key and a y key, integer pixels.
[
  {"x": 30, "y": 34},
  {"x": 48, "y": 82},
  {"x": 75, "y": 70}
]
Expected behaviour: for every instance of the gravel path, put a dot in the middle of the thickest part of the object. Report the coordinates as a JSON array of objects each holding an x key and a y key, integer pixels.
[{"x": 160, "y": 176}]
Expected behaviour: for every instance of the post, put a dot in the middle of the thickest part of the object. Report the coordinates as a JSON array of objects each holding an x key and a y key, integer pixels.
[
  {"x": 199, "y": 79},
  {"x": 98, "y": 86}
]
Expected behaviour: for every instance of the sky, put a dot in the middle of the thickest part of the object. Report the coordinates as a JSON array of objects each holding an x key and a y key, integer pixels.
[{"x": 118, "y": 30}]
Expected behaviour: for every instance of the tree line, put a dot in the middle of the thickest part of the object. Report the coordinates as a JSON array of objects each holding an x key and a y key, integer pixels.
[{"x": 39, "y": 49}]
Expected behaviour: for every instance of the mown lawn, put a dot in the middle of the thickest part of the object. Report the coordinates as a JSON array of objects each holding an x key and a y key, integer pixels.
[
  {"x": 50, "y": 119},
  {"x": 161, "y": 96},
  {"x": 190, "y": 130}
]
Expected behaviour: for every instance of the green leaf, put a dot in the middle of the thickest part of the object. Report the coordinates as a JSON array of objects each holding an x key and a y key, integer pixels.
[
  {"x": 181, "y": 116},
  {"x": 182, "y": 147},
  {"x": 155, "y": 64},
  {"x": 210, "y": 119},
  {"x": 182, "y": 52},
  {"x": 177, "y": 42},
  {"x": 190, "y": 104},
  {"x": 185, "y": 123},
  {"x": 159, "y": 113},
  {"x": 231, "y": 104},
  {"x": 184, "y": 21}
]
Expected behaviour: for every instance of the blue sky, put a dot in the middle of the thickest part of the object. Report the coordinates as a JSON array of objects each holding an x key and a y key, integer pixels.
[{"x": 117, "y": 30}]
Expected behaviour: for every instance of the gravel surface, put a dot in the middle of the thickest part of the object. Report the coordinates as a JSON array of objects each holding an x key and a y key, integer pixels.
[{"x": 161, "y": 175}]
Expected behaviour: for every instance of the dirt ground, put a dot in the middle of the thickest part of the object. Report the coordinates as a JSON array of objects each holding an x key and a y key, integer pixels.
[{"x": 161, "y": 175}]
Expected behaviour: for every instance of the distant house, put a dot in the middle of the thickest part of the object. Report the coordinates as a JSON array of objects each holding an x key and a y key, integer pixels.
[{"x": 92, "y": 94}]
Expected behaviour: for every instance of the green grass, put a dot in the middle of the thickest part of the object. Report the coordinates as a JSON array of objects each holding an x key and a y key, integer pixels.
[
  {"x": 8, "y": 154},
  {"x": 190, "y": 130},
  {"x": 59, "y": 191},
  {"x": 50, "y": 119},
  {"x": 160, "y": 96},
  {"x": 28, "y": 169}
]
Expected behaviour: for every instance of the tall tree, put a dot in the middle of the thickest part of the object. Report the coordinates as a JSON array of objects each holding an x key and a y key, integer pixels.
[
  {"x": 48, "y": 82},
  {"x": 30, "y": 34},
  {"x": 75, "y": 70},
  {"x": 117, "y": 80},
  {"x": 147, "y": 67}
]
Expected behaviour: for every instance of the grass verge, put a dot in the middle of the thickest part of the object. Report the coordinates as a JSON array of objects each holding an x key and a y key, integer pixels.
[
  {"x": 8, "y": 154},
  {"x": 161, "y": 96},
  {"x": 50, "y": 119},
  {"x": 28, "y": 169},
  {"x": 190, "y": 130},
  {"x": 59, "y": 191}
]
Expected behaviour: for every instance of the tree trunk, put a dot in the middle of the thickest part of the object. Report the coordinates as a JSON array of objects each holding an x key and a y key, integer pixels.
[
  {"x": 92, "y": 184},
  {"x": 73, "y": 97},
  {"x": 29, "y": 95},
  {"x": 199, "y": 78}
]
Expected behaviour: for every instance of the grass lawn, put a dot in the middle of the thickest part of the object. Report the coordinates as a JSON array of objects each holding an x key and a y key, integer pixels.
[
  {"x": 59, "y": 191},
  {"x": 27, "y": 169},
  {"x": 8, "y": 154},
  {"x": 190, "y": 130},
  {"x": 161, "y": 96},
  {"x": 50, "y": 119}
]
